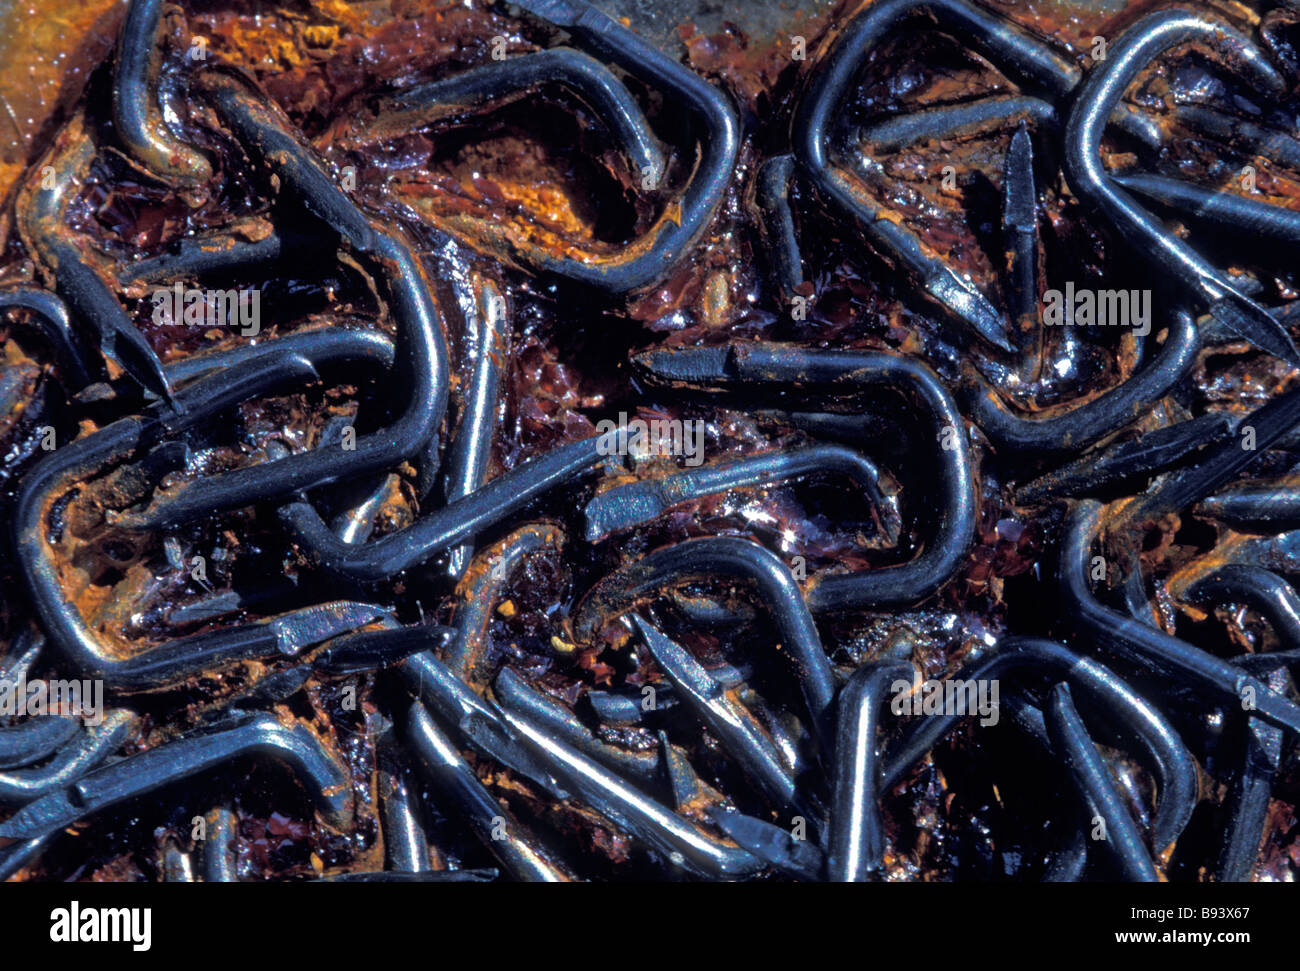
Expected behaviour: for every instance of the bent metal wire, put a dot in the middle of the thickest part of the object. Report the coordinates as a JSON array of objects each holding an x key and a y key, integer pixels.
[{"x": 804, "y": 770}]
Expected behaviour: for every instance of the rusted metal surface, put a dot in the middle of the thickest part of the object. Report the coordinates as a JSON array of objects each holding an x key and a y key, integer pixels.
[{"x": 362, "y": 527}]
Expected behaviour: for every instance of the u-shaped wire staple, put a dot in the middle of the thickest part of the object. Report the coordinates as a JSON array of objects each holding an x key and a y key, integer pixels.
[
  {"x": 513, "y": 693},
  {"x": 263, "y": 370},
  {"x": 761, "y": 366},
  {"x": 137, "y": 114},
  {"x": 71, "y": 761},
  {"x": 630, "y": 504},
  {"x": 1262, "y": 590},
  {"x": 683, "y": 843},
  {"x": 501, "y": 82},
  {"x": 1220, "y": 463},
  {"x": 1137, "y": 722},
  {"x": 1247, "y": 216},
  {"x": 1248, "y": 803},
  {"x": 1095, "y": 784},
  {"x": 480, "y": 593},
  {"x": 1271, "y": 503},
  {"x": 733, "y": 558},
  {"x": 41, "y": 209},
  {"x": 1101, "y": 91},
  {"x": 33, "y": 739},
  {"x": 1252, "y": 790},
  {"x": 1144, "y": 457},
  {"x": 1145, "y": 646},
  {"x": 514, "y": 847},
  {"x": 263, "y": 131},
  {"x": 471, "y": 446},
  {"x": 679, "y": 226},
  {"x": 1106, "y": 413},
  {"x": 776, "y": 221},
  {"x": 1007, "y": 45},
  {"x": 383, "y": 558},
  {"x": 955, "y": 121},
  {"x": 1269, "y": 143},
  {"x": 1103, "y": 414},
  {"x": 423, "y": 359},
  {"x": 737, "y": 731},
  {"x": 51, "y": 316},
  {"x": 478, "y": 723},
  {"x": 325, "y": 779},
  {"x": 856, "y": 834}
]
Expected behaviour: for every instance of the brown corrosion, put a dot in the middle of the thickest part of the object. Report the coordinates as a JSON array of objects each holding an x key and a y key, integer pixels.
[{"x": 508, "y": 185}]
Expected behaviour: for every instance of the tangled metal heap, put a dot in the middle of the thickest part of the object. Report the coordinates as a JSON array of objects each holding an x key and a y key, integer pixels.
[{"x": 313, "y": 320}]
